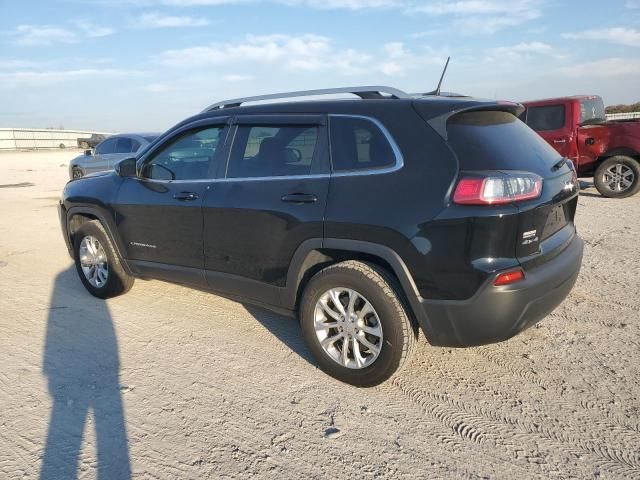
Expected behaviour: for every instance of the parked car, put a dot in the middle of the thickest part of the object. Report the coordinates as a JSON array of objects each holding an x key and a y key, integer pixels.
[
  {"x": 109, "y": 152},
  {"x": 369, "y": 219},
  {"x": 92, "y": 141},
  {"x": 577, "y": 128}
]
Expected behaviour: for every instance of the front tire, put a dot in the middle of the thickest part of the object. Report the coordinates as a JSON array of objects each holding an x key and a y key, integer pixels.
[
  {"x": 618, "y": 177},
  {"x": 97, "y": 263},
  {"x": 355, "y": 324}
]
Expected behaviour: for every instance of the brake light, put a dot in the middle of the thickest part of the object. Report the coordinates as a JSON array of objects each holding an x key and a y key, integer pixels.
[
  {"x": 498, "y": 188},
  {"x": 507, "y": 278}
]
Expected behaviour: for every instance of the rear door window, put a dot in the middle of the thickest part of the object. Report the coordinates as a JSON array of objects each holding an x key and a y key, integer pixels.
[
  {"x": 358, "y": 144},
  {"x": 549, "y": 117},
  {"x": 273, "y": 151},
  {"x": 498, "y": 141},
  {"x": 124, "y": 145},
  {"x": 106, "y": 147}
]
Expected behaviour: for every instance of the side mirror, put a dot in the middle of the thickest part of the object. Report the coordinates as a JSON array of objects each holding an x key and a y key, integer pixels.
[
  {"x": 126, "y": 167},
  {"x": 88, "y": 152}
]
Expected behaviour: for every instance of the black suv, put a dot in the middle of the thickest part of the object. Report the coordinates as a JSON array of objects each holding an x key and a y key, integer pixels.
[{"x": 367, "y": 218}]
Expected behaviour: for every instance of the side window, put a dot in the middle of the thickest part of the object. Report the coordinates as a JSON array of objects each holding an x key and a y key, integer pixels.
[
  {"x": 549, "y": 117},
  {"x": 135, "y": 145},
  {"x": 192, "y": 156},
  {"x": 357, "y": 144},
  {"x": 123, "y": 145},
  {"x": 273, "y": 151},
  {"x": 106, "y": 147}
]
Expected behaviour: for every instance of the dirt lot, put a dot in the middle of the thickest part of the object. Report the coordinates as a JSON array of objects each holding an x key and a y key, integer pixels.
[{"x": 167, "y": 382}]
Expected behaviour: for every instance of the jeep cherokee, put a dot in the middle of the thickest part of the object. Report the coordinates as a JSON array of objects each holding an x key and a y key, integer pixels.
[{"x": 369, "y": 219}]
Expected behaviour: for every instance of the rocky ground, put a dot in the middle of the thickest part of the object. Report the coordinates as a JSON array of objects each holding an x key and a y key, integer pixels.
[{"x": 171, "y": 383}]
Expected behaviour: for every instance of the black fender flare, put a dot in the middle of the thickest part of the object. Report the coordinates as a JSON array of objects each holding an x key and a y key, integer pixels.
[
  {"x": 304, "y": 258},
  {"x": 108, "y": 225}
]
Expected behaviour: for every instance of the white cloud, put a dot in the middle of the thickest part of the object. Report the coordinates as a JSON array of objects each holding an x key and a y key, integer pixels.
[
  {"x": 520, "y": 51},
  {"x": 345, "y": 4},
  {"x": 157, "y": 87},
  {"x": 301, "y": 53},
  {"x": 44, "y": 77},
  {"x": 93, "y": 30},
  {"x": 608, "y": 67},
  {"x": 481, "y": 16},
  {"x": 32, "y": 35},
  {"x": 158, "y": 20},
  {"x": 619, "y": 35},
  {"x": 234, "y": 77}
]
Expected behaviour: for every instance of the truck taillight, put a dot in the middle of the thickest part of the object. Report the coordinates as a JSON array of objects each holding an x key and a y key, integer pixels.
[{"x": 497, "y": 188}]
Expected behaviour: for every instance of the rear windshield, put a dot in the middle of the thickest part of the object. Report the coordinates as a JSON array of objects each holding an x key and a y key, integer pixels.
[
  {"x": 499, "y": 141},
  {"x": 592, "y": 110}
]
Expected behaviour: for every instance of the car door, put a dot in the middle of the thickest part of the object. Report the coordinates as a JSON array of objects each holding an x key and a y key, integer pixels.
[
  {"x": 99, "y": 161},
  {"x": 271, "y": 199},
  {"x": 159, "y": 212}
]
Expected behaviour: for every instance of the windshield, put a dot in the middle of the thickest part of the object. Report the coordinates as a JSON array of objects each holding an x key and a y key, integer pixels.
[
  {"x": 592, "y": 110},
  {"x": 150, "y": 138}
]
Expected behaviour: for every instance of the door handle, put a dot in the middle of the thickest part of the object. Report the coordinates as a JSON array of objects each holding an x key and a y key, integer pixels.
[
  {"x": 300, "y": 198},
  {"x": 186, "y": 196},
  {"x": 564, "y": 140}
]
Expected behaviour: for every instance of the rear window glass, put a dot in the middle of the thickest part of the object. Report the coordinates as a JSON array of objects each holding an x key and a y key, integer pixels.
[
  {"x": 499, "y": 141},
  {"x": 550, "y": 117},
  {"x": 592, "y": 110},
  {"x": 358, "y": 143}
]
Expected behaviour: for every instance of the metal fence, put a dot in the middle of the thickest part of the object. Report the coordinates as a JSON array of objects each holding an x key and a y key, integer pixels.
[
  {"x": 623, "y": 116},
  {"x": 36, "y": 139}
]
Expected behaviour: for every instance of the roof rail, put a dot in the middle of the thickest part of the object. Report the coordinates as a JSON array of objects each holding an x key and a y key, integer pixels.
[{"x": 364, "y": 92}]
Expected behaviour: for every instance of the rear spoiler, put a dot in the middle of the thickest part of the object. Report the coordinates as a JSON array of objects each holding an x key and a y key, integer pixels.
[{"x": 439, "y": 123}]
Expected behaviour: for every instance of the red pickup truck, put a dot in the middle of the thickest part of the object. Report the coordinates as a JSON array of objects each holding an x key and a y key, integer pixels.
[{"x": 577, "y": 128}]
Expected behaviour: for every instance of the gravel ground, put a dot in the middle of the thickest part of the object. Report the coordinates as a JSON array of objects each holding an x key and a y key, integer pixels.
[{"x": 167, "y": 382}]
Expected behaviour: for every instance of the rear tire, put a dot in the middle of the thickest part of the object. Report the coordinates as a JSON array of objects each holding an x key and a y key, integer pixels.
[
  {"x": 618, "y": 177},
  {"x": 378, "y": 343},
  {"x": 97, "y": 263}
]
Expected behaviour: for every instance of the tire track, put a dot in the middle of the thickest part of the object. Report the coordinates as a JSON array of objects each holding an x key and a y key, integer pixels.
[{"x": 460, "y": 416}]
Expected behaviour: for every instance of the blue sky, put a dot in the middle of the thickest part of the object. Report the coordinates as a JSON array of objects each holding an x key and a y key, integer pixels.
[{"x": 124, "y": 65}]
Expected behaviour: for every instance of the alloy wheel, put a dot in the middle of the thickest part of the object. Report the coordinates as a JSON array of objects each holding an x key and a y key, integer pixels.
[
  {"x": 93, "y": 261},
  {"x": 618, "y": 177},
  {"x": 348, "y": 328}
]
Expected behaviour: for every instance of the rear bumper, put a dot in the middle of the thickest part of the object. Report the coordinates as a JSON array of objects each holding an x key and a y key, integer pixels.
[{"x": 495, "y": 314}]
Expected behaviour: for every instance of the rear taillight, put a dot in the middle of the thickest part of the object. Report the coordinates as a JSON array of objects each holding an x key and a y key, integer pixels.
[
  {"x": 497, "y": 188},
  {"x": 507, "y": 278}
]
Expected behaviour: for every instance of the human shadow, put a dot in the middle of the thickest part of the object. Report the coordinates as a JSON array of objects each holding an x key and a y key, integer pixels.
[{"x": 82, "y": 368}]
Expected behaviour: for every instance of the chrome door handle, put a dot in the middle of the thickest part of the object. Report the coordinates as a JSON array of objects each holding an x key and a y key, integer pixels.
[
  {"x": 300, "y": 198},
  {"x": 186, "y": 196}
]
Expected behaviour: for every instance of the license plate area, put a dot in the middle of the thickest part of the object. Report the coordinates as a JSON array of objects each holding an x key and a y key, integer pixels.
[{"x": 556, "y": 220}]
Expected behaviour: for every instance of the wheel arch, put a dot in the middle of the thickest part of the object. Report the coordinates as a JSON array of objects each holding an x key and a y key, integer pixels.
[
  {"x": 315, "y": 254},
  {"x": 76, "y": 216},
  {"x": 625, "y": 151}
]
